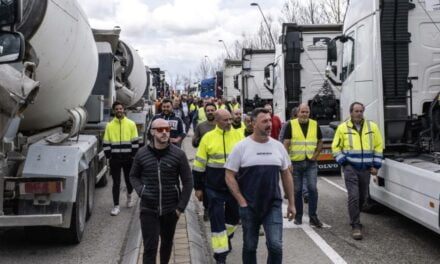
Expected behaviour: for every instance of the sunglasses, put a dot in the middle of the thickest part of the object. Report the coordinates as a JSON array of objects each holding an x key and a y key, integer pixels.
[{"x": 162, "y": 129}]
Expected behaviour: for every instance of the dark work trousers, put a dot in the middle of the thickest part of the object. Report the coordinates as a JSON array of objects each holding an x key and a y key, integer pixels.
[
  {"x": 205, "y": 199},
  {"x": 153, "y": 226},
  {"x": 116, "y": 165},
  {"x": 357, "y": 183},
  {"x": 224, "y": 217}
]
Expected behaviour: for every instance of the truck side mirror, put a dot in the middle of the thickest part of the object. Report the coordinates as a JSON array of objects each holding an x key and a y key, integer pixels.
[
  {"x": 10, "y": 12},
  {"x": 267, "y": 75},
  {"x": 332, "y": 52},
  {"x": 11, "y": 47}
]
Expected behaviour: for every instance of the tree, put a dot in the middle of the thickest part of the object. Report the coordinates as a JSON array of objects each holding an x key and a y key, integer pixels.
[
  {"x": 204, "y": 68},
  {"x": 314, "y": 11}
]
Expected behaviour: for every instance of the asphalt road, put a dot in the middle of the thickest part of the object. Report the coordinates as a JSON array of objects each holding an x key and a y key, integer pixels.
[
  {"x": 388, "y": 236},
  {"x": 102, "y": 242}
]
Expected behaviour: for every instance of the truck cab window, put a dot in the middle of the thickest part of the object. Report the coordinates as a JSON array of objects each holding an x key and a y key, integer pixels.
[{"x": 348, "y": 57}]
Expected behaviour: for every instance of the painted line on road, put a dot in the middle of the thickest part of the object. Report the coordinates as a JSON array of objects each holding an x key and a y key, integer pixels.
[
  {"x": 320, "y": 242},
  {"x": 316, "y": 238},
  {"x": 334, "y": 184}
]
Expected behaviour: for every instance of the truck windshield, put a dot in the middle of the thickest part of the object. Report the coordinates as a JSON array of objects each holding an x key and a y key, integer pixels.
[{"x": 348, "y": 57}]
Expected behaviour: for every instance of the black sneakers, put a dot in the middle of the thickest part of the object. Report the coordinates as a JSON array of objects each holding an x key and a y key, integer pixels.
[{"x": 314, "y": 221}]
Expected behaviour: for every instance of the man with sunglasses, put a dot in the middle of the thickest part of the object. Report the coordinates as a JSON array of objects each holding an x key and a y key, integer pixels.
[
  {"x": 157, "y": 173},
  {"x": 177, "y": 133}
]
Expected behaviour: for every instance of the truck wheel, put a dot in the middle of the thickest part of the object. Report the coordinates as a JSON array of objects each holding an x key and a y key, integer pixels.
[
  {"x": 75, "y": 232},
  {"x": 91, "y": 173}
]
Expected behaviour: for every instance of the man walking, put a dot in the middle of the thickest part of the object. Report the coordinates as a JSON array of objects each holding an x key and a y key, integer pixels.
[
  {"x": 276, "y": 123},
  {"x": 177, "y": 133},
  {"x": 206, "y": 126},
  {"x": 120, "y": 144},
  {"x": 303, "y": 140},
  {"x": 258, "y": 160},
  {"x": 237, "y": 122},
  {"x": 209, "y": 173},
  {"x": 357, "y": 147},
  {"x": 158, "y": 171},
  {"x": 199, "y": 132}
]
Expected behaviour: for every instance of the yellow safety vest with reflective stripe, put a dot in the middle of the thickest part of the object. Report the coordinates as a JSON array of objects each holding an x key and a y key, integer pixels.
[
  {"x": 215, "y": 147},
  {"x": 120, "y": 137},
  {"x": 201, "y": 115},
  {"x": 361, "y": 150},
  {"x": 301, "y": 146}
]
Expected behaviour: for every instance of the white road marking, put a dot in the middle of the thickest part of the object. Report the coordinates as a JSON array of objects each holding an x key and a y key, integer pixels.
[
  {"x": 320, "y": 242},
  {"x": 305, "y": 221},
  {"x": 334, "y": 184},
  {"x": 317, "y": 239}
]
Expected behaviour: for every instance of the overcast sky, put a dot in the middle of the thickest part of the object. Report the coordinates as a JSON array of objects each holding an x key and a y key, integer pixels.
[{"x": 175, "y": 35}]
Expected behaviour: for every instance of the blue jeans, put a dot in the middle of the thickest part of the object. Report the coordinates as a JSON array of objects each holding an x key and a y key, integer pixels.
[
  {"x": 305, "y": 170},
  {"x": 273, "y": 226}
]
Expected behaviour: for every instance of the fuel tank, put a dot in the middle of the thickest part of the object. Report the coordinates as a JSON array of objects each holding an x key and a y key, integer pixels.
[{"x": 60, "y": 42}]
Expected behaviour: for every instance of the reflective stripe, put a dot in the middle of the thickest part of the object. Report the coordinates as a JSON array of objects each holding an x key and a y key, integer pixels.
[
  {"x": 301, "y": 152},
  {"x": 230, "y": 229},
  {"x": 135, "y": 145},
  {"x": 216, "y": 165},
  {"x": 360, "y": 160},
  {"x": 121, "y": 150},
  {"x": 217, "y": 156},
  {"x": 198, "y": 169},
  {"x": 220, "y": 242},
  {"x": 107, "y": 148},
  {"x": 200, "y": 160},
  {"x": 117, "y": 143},
  {"x": 339, "y": 157},
  {"x": 302, "y": 143}
]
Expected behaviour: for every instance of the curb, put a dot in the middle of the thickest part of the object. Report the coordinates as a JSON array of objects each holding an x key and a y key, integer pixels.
[
  {"x": 196, "y": 237},
  {"x": 133, "y": 239}
]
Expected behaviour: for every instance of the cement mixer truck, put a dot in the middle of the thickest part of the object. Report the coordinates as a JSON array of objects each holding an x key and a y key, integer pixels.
[{"x": 50, "y": 156}]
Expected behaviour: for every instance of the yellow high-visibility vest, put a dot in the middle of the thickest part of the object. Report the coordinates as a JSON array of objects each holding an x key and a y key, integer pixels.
[
  {"x": 362, "y": 150},
  {"x": 303, "y": 146},
  {"x": 202, "y": 115}
]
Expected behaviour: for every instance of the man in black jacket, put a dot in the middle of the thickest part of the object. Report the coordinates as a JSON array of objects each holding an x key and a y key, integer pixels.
[
  {"x": 177, "y": 133},
  {"x": 155, "y": 177}
]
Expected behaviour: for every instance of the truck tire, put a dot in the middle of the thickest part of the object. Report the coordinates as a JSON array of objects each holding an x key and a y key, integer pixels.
[
  {"x": 91, "y": 174},
  {"x": 74, "y": 233}
]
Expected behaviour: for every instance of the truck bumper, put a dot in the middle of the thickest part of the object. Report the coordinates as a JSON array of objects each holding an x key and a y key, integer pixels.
[{"x": 31, "y": 220}]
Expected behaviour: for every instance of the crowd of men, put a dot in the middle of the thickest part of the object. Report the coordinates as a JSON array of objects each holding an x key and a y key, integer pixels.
[{"x": 236, "y": 171}]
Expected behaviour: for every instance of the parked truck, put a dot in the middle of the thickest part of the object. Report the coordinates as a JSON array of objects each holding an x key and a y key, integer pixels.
[
  {"x": 254, "y": 91},
  {"x": 50, "y": 157},
  {"x": 298, "y": 76},
  {"x": 390, "y": 64},
  {"x": 231, "y": 69}
]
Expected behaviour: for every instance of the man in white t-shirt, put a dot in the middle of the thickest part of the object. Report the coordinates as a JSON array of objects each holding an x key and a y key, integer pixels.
[{"x": 252, "y": 175}]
